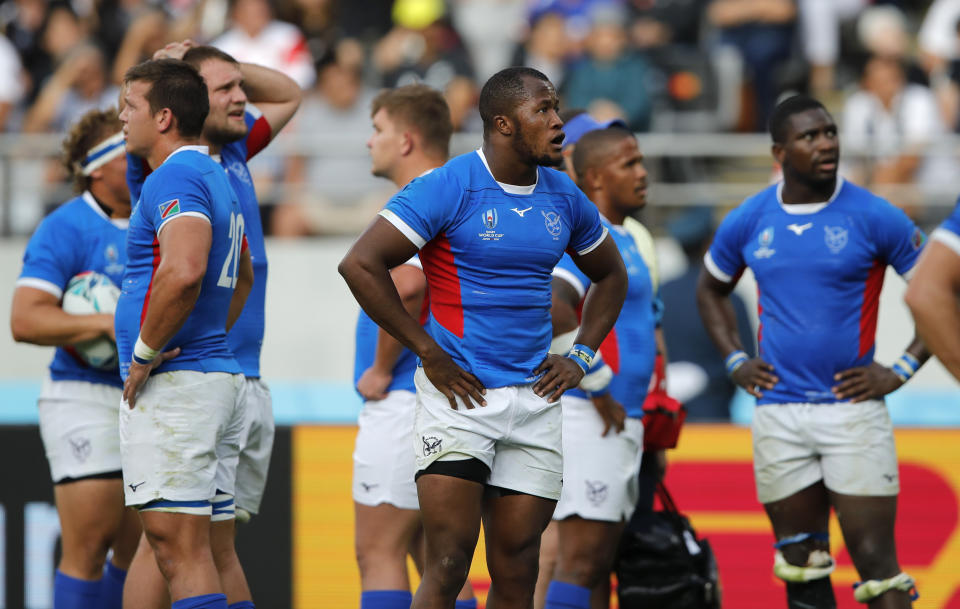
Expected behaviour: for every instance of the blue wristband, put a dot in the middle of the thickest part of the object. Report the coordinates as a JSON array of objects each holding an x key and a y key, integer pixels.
[
  {"x": 140, "y": 360},
  {"x": 905, "y": 367},
  {"x": 583, "y": 356},
  {"x": 734, "y": 361}
]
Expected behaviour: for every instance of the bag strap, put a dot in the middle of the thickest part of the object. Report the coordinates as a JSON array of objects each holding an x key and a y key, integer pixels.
[{"x": 666, "y": 499}]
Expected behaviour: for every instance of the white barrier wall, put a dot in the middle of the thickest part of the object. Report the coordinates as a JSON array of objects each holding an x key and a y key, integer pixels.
[{"x": 311, "y": 315}]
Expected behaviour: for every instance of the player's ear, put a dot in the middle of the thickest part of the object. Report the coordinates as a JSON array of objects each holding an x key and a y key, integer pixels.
[
  {"x": 406, "y": 144},
  {"x": 164, "y": 120},
  {"x": 778, "y": 152},
  {"x": 503, "y": 124},
  {"x": 591, "y": 179}
]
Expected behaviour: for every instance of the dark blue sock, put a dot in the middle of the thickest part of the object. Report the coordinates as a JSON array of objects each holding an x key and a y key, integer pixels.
[
  {"x": 470, "y": 604},
  {"x": 385, "y": 599},
  {"x": 72, "y": 593},
  {"x": 111, "y": 587},
  {"x": 561, "y": 595},
  {"x": 242, "y": 605},
  {"x": 204, "y": 601}
]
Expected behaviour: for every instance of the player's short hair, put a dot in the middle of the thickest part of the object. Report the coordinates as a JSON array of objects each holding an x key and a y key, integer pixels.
[
  {"x": 195, "y": 56},
  {"x": 176, "y": 85},
  {"x": 591, "y": 149},
  {"x": 421, "y": 108},
  {"x": 787, "y": 108},
  {"x": 504, "y": 91},
  {"x": 93, "y": 128}
]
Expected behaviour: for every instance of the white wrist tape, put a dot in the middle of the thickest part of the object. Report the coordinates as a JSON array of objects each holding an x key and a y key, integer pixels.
[{"x": 142, "y": 353}]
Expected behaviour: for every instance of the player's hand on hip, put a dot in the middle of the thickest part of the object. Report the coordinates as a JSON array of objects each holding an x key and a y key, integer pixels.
[
  {"x": 559, "y": 374},
  {"x": 611, "y": 411},
  {"x": 754, "y": 376},
  {"x": 138, "y": 375},
  {"x": 373, "y": 383},
  {"x": 453, "y": 381},
  {"x": 865, "y": 383}
]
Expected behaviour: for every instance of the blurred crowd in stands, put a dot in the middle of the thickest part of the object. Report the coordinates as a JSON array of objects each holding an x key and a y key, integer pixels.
[{"x": 888, "y": 69}]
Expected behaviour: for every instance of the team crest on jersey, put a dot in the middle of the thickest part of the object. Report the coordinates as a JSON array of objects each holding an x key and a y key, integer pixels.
[
  {"x": 765, "y": 239},
  {"x": 490, "y": 219},
  {"x": 552, "y": 221},
  {"x": 596, "y": 492},
  {"x": 917, "y": 239},
  {"x": 238, "y": 169},
  {"x": 169, "y": 208},
  {"x": 835, "y": 237}
]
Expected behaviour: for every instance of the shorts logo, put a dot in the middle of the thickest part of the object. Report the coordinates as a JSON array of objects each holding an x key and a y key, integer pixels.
[
  {"x": 169, "y": 208},
  {"x": 596, "y": 492},
  {"x": 835, "y": 238},
  {"x": 765, "y": 239},
  {"x": 431, "y": 445},
  {"x": 890, "y": 477},
  {"x": 134, "y": 487},
  {"x": 367, "y": 487},
  {"x": 551, "y": 220},
  {"x": 490, "y": 219},
  {"x": 81, "y": 448}
]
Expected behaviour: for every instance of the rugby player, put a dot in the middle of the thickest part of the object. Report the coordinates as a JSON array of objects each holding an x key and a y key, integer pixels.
[
  {"x": 933, "y": 292},
  {"x": 492, "y": 224},
  {"x": 411, "y": 137},
  {"x": 79, "y": 404},
  {"x": 602, "y": 429},
  {"x": 234, "y": 131},
  {"x": 818, "y": 247},
  {"x": 180, "y": 431}
]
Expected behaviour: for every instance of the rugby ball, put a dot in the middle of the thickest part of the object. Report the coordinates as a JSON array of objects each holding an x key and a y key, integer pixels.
[{"x": 88, "y": 293}]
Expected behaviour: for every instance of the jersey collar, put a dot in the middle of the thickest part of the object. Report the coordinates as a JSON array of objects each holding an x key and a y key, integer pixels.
[
  {"x": 803, "y": 209},
  {"x": 511, "y": 189},
  {"x": 123, "y": 223},
  {"x": 201, "y": 149}
]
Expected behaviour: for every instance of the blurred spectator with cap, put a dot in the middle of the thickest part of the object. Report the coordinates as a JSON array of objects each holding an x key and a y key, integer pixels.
[
  {"x": 612, "y": 80},
  {"x": 695, "y": 375}
]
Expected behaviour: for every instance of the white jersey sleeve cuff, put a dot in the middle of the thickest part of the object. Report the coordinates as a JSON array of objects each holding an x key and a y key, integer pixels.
[
  {"x": 572, "y": 279},
  {"x": 595, "y": 244},
  {"x": 714, "y": 270},
  {"x": 414, "y": 262},
  {"x": 403, "y": 227},
  {"x": 40, "y": 284},
  {"x": 185, "y": 214},
  {"x": 948, "y": 238}
]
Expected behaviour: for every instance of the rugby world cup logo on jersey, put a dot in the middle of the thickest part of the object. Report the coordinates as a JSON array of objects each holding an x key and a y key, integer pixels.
[
  {"x": 112, "y": 254},
  {"x": 765, "y": 239},
  {"x": 490, "y": 219},
  {"x": 835, "y": 238},
  {"x": 552, "y": 221}
]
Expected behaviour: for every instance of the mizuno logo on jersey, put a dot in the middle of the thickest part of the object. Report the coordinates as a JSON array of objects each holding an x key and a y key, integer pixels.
[
  {"x": 169, "y": 208},
  {"x": 520, "y": 212},
  {"x": 799, "y": 228}
]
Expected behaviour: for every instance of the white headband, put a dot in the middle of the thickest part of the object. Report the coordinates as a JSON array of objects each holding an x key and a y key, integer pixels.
[{"x": 103, "y": 153}]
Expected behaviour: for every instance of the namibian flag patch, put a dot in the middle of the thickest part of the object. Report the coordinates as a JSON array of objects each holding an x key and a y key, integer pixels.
[{"x": 169, "y": 208}]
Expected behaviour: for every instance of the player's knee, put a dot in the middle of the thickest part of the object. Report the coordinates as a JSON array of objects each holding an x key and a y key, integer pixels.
[
  {"x": 874, "y": 558},
  {"x": 449, "y": 570},
  {"x": 372, "y": 555},
  {"x": 583, "y": 568}
]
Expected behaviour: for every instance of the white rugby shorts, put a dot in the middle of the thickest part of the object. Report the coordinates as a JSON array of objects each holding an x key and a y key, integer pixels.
[
  {"x": 79, "y": 427},
  {"x": 600, "y": 473},
  {"x": 383, "y": 464},
  {"x": 172, "y": 443},
  {"x": 517, "y": 435},
  {"x": 849, "y": 446},
  {"x": 256, "y": 445}
]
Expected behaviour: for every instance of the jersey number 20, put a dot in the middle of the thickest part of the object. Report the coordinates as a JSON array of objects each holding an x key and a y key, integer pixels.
[{"x": 228, "y": 274}]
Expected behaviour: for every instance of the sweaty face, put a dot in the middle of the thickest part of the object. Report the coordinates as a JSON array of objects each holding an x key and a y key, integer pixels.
[
  {"x": 624, "y": 177},
  {"x": 539, "y": 131},
  {"x": 385, "y": 144},
  {"x": 138, "y": 125},
  {"x": 811, "y": 149},
  {"x": 225, "y": 123}
]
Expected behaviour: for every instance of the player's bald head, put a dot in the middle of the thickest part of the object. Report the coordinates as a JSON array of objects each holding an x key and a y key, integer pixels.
[
  {"x": 506, "y": 90},
  {"x": 595, "y": 148}
]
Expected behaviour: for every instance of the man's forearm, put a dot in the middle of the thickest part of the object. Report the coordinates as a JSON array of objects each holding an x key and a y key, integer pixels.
[
  {"x": 719, "y": 317},
  {"x": 938, "y": 322},
  {"x": 600, "y": 310},
  {"x": 265, "y": 86}
]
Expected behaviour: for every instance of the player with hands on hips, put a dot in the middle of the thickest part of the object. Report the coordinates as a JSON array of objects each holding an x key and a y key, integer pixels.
[{"x": 822, "y": 437}]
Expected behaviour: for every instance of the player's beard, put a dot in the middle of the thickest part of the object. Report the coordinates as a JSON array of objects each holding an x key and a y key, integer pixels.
[
  {"x": 526, "y": 151},
  {"x": 222, "y": 136}
]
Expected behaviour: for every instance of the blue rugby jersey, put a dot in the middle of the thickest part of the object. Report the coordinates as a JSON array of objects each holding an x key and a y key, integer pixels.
[
  {"x": 246, "y": 335},
  {"x": 948, "y": 232},
  {"x": 819, "y": 269},
  {"x": 189, "y": 183},
  {"x": 631, "y": 347},
  {"x": 77, "y": 237},
  {"x": 488, "y": 250}
]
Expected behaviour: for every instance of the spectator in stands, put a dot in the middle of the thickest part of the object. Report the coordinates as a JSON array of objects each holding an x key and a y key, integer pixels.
[
  {"x": 12, "y": 81},
  {"x": 762, "y": 31},
  {"x": 26, "y": 21},
  {"x": 424, "y": 47},
  {"x": 820, "y": 22},
  {"x": 896, "y": 121},
  {"x": 547, "y": 47},
  {"x": 658, "y": 23},
  {"x": 611, "y": 74},
  {"x": 80, "y": 84},
  {"x": 256, "y": 37},
  {"x": 696, "y": 375},
  {"x": 490, "y": 30},
  {"x": 148, "y": 31},
  {"x": 333, "y": 191}
]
